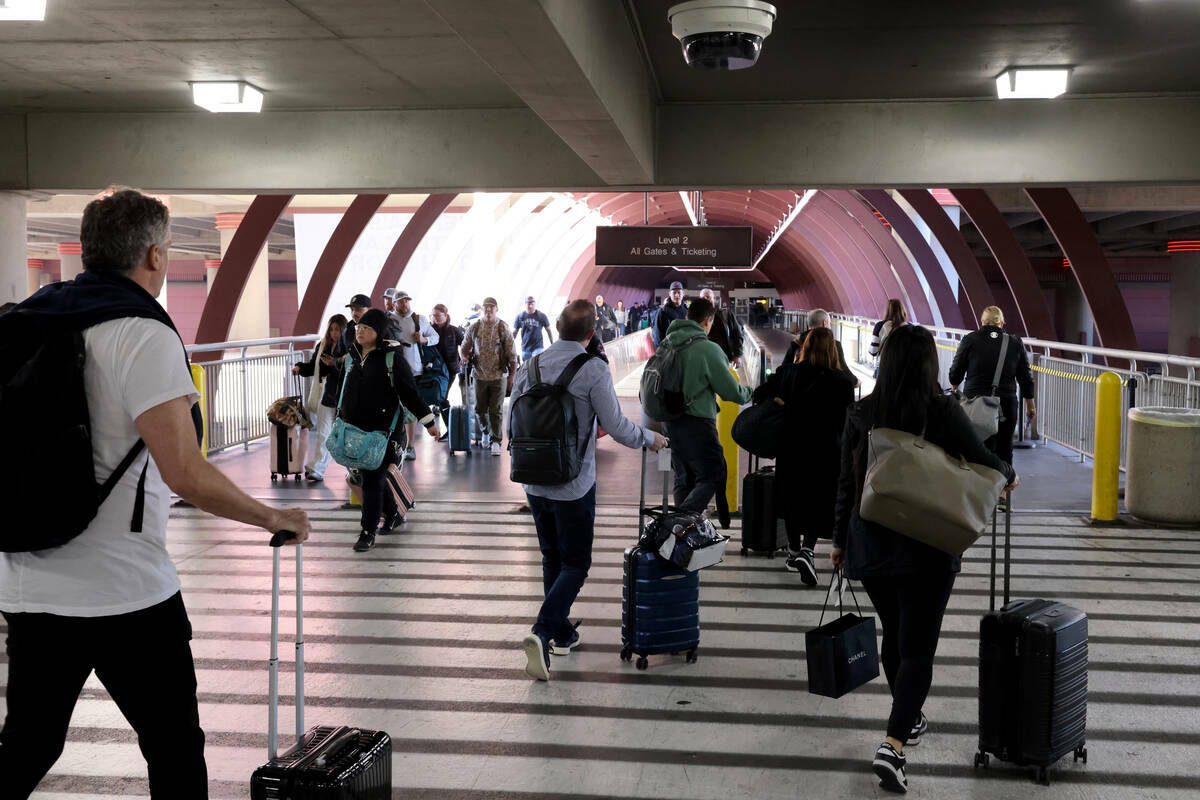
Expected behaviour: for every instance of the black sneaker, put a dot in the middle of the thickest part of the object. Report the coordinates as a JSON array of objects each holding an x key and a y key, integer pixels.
[
  {"x": 558, "y": 648},
  {"x": 803, "y": 562},
  {"x": 366, "y": 540},
  {"x": 393, "y": 521},
  {"x": 918, "y": 730},
  {"x": 537, "y": 657},
  {"x": 889, "y": 766}
]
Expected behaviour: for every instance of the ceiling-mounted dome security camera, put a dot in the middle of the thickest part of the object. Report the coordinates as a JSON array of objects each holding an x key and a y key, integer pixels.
[{"x": 721, "y": 34}]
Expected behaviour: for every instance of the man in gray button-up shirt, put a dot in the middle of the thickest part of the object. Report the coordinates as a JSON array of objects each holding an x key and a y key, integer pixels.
[{"x": 565, "y": 514}]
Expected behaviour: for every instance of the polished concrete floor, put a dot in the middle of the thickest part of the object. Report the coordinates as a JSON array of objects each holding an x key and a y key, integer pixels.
[{"x": 420, "y": 638}]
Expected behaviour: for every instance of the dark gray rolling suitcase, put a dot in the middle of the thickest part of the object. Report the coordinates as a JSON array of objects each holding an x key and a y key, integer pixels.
[
  {"x": 1033, "y": 664},
  {"x": 660, "y": 602},
  {"x": 760, "y": 521},
  {"x": 327, "y": 762}
]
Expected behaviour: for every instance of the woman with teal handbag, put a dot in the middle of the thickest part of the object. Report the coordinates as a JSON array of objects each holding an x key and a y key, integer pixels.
[{"x": 377, "y": 386}]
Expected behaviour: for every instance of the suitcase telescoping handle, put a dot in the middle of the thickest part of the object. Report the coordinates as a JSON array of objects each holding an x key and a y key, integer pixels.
[
  {"x": 664, "y": 466},
  {"x": 277, "y": 541},
  {"x": 1007, "y": 551}
]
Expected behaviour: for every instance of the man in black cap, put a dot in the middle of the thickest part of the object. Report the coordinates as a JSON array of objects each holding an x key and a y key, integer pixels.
[
  {"x": 672, "y": 309},
  {"x": 358, "y": 305}
]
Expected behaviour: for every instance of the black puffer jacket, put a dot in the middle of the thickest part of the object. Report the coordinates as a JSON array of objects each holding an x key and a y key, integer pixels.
[
  {"x": 871, "y": 549},
  {"x": 329, "y": 374},
  {"x": 372, "y": 395},
  {"x": 976, "y": 361},
  {"x": 450, "y": 338}
]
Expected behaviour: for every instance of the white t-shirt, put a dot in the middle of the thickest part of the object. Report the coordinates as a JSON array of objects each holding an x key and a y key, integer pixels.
[{"x": 133, "y": 365}]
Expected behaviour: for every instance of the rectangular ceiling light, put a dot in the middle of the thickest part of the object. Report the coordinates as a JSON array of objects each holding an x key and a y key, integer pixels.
[
  {"x": 221, "y": 96},
  {"x": 27, "y": 10},
  {"x": 1032, "y": 82}
]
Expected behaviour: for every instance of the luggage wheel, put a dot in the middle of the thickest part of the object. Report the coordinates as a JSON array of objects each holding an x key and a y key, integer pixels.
[
  {"x": 274, "y": 477},
  {"x": 691, "y": 656},
  {"x": 744, "y": 551},
  {"x": 626, "y": 654},
  {"x": 1081, "y": 754},
  {"x": 642, "y": 663},
  {"x": 297, "y": 477},
  {"x": 981, "y": 760},
  {"x": 1043, "y": 776}
]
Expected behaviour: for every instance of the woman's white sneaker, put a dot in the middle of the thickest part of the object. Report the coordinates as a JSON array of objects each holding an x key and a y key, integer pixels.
[{"x": 889, "y": 766}]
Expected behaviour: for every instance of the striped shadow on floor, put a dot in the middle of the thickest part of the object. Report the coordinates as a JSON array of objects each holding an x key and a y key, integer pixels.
[{"x": 419, "y": 637}]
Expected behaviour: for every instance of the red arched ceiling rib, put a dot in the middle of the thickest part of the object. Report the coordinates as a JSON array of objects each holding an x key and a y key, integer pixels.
[
  {"x": 931, "y": 268},
  {"x": 859, "y": 247},
  {"x": 814, "y": 294},
  {"x": 979, "y": 294},
  {"x": 882, "y": 237},
  {"x": 815, "y": 227},
  {"x": 408, "y": 240},
  {"x": 1089, "y": 265},
  {"x": 807, "y": 236},
  {"x": 333, "y": 258},
  {"x": 1026, "y": 290},
  {"x": 226, "y": 292}
]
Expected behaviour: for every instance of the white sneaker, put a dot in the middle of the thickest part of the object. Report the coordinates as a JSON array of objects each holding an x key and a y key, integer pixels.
[{"x": 495, "y": 448}]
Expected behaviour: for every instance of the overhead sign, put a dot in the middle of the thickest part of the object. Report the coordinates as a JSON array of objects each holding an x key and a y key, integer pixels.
[{"x": 681, "y": 247}]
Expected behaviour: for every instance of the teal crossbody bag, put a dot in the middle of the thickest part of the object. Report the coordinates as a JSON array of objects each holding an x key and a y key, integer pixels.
[{"x": 352, "y": 447}]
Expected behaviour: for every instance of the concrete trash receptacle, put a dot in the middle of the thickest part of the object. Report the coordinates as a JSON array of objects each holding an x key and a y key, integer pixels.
[{"x": 1163, "y": 478}]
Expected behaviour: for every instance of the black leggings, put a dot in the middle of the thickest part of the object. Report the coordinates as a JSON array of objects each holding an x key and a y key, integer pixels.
[
  {"x": 376, "y": 499},
  {"x": 910, "y": 608}
]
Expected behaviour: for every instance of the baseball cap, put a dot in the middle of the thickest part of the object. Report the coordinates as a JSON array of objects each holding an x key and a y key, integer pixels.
[
  {"x": 530, "y": 299},
  {"x": 403, "y": 296},
  {"x": 359, "y": 301},
  {"x": 676, "y": 285},
  {"x": 490, "y": 301},
  {"x": 390, "y": 292}
]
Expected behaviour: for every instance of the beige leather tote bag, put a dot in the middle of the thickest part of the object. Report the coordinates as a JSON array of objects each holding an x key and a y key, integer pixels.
[{"x": 915, "y": 488}]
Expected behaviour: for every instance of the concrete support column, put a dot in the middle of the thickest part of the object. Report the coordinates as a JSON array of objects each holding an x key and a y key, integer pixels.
[
  {"x": 252, "y": 319},
  {"x": 70, "y": 260},
  {"x": 211, "y": 265},
  {"x": 14, "y": 272},
  {"x": 1183, "y": 332},
  {"x": 35, "y": 275}
]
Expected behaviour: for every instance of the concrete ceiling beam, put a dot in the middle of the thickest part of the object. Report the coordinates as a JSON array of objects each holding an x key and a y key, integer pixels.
[{"x": 578, "y": 66}]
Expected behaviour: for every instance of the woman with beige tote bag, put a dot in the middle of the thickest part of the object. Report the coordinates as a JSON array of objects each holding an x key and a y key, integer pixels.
[{"x": 909, "y": 581}]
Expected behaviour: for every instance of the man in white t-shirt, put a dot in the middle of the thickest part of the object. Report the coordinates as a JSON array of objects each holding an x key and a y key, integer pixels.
[{"x": 109, "y": 599}]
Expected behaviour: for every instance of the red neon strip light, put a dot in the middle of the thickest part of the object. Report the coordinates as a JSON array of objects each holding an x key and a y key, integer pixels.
[
  {"x": 34, "y": 263},
  {"x": 212, "y": 263},
  {"x": 1066, "y": 263},
  {"x": 1184, "y": 246}
]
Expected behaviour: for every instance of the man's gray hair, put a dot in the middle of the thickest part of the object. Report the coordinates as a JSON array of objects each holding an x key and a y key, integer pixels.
[
  {"x": 117, "y": 230},
  {"x": 817, "y": 318}
]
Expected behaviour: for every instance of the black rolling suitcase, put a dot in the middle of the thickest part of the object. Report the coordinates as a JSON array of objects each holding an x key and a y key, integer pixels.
[
  {"x": 760, "y": 522},
  {"x": 660, "y": 602},
  {"x": 327, "y": 762},
  {"x": 1033, "y": 661}
]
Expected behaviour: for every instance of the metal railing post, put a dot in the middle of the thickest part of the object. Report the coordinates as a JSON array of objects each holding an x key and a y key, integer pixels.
[{"x": 245, "y": 403}]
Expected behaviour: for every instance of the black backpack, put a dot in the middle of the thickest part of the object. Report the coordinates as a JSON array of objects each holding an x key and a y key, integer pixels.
[
  {"x": 543, "y": 431},
  {"x": 48, "y": 482}
]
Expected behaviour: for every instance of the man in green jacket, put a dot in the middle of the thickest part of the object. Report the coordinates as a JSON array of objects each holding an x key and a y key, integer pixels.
[{"x": 696, "y": 455}]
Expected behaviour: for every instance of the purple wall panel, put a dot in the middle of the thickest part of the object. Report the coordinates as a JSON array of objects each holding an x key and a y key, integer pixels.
[
  {"x": 185, "y": 301},
  {"x": 1148, "y": 306}
]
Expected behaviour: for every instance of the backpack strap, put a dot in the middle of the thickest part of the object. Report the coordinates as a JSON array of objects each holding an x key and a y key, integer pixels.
[
  {"x": 389, "y": 358},
  {"x": 139, "y": 501},
  {"x": 347, "y": 362},
  {"x": 1000, "y": 362},
  {"x": 110, "y": 482},
  {"x": 535, "y": 374},
  {"x": 576, "y": 364}
]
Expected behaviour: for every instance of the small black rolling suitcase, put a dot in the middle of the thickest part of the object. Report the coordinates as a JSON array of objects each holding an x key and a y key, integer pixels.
[
  {"x": 760, "y": 523},
  {"x": 660, "y": 602},
  {"x": 1033, "y": 664},
  {"x": 327, "y": 762}
]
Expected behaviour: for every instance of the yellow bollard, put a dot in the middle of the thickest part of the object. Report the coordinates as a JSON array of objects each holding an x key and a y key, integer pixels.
[
  {"x": 726, "y": 414},
  {"x": 1106, "y": 463},
  {"x": 199, "y": 380}
]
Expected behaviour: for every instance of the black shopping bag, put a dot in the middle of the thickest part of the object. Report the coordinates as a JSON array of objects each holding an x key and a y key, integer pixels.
[{"x": 843, "y": 654}]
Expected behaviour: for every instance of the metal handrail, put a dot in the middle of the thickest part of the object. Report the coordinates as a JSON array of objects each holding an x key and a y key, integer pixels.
[{"x": 248, "y": 343}]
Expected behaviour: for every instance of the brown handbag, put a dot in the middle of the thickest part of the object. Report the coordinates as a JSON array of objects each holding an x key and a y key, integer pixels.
[{"x": 916, "y": 488}]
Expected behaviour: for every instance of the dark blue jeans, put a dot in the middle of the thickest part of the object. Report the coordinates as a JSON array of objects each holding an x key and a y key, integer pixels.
[
  {"x": 697, "y": 460},
  {"x": 564, "y": 529}
]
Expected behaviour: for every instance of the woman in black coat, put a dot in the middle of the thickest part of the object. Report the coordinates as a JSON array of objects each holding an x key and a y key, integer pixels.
[
  {"x": 374, "y": 399},
  {"x": 815, "y": 392},
  {"x": 909, "y": 582},
  {"x": 323, "y": 370}
]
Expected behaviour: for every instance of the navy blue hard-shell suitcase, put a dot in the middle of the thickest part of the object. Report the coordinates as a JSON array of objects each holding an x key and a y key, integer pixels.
[{"x": 660, "y": 603}]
